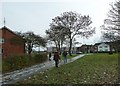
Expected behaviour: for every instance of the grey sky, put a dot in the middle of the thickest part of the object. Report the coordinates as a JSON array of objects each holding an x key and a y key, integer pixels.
[{"x": 36, "y": 15}]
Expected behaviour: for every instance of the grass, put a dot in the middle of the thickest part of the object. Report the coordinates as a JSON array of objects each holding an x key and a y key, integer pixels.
[
  {"x": 92, "y": 69},
  {"x": 0, "y": 65}
]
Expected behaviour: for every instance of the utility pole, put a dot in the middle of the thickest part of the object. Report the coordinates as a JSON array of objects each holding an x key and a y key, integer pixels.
[{"x": 4, "y": 21}]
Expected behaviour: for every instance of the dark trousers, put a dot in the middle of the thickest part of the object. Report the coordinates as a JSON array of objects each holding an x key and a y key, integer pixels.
[{"x": 56, "y": 63}]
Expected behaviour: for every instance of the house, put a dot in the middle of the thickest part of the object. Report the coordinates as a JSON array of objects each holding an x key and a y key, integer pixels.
[
  {"x": 10, "y": 43},
  {"x": 53, "y": 49},
  {"x": 104, "y": 47},
  {"x": 97, "y": 47},
  {"x": 86, "y": 48}
]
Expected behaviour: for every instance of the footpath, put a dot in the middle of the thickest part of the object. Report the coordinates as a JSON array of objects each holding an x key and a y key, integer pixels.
[{"x": 13, "y": 77}]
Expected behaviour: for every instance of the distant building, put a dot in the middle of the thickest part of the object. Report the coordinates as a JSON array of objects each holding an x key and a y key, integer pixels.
[
  {"x": 10, "y": 43},
  {"x": 100, "y": 47},
  {"x": 86, "y": 48},
  {"x": 53, "y": 49},
  {"x": 105, "y": 47},
  {"x": 97, "y": 47}
]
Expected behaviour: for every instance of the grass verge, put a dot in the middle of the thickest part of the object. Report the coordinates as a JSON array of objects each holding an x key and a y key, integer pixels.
[
  {"x": 92, "y": 69},
  {"x": 0, "y": 65}
]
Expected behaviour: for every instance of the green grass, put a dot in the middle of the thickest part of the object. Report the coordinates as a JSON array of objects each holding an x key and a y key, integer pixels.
[
  {"x": 92, "y": 69},
  {"x": 0, "y": 65}
]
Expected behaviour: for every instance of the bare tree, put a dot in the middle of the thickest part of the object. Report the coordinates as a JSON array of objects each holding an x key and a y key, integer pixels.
[
  {"x": 74, "y": 24},
  {"x": 32, "y": 40},
  {"x": 113, "y": 20},
  {"x": 56, "y": 34},
  {"x": 111, "y": 25}
]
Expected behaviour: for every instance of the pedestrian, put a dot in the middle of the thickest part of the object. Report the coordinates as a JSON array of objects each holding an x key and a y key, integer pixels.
[
  {"x": 50, "y": 56},
  {"x": 56, "y": 58},
  {"x": 65, "y": 56}
]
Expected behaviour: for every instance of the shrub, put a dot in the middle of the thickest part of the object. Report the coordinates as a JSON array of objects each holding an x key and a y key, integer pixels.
[
  {"x": 38, "y": 58},
  {"x": 12, "y": 63}
]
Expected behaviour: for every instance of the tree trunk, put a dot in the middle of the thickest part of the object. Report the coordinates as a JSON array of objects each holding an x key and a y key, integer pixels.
[
  {"x": 56, "y": 46},
  {"x": 70, "y": 47},
  {"x": 59, "y": 49},
  {"x": 29, "y": 48},
  {"x": 111, "y": 46}
]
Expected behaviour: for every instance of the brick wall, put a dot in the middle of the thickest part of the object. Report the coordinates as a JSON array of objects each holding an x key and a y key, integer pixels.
[{"x": 13, "y": 44}]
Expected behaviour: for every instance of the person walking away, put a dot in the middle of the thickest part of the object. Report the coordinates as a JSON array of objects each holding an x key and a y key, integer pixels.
[
  {"x": 50, "y": 56},
  {"x": 65, "y": 56},
  {"x": 56, "y": 58}
]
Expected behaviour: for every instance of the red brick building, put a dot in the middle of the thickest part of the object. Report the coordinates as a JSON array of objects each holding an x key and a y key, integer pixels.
[
  {"x": 10, "y": 43},
  {"x": 86, "y": 48}
]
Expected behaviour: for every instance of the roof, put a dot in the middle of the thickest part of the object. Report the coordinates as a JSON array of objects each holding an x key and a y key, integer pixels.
[
  {"x": 86, "y": 45},
  {"x": 6, "y": 28},
  {"x": 96, "y": 44}
]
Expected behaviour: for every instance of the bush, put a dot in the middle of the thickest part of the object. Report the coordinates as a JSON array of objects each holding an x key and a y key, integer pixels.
[
  {"x": 12, "y": 63},
  {"x": 110, "y": 52},
  {"x": 38, "y": 58}
]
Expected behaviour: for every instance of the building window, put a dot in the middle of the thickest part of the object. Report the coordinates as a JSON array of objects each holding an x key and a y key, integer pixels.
[
  {"x": 1, "y": 51},
  {"x": 1, "y": 40},
  {"x": 106, "y": 46},
  {"x": 100, "y": 46}
]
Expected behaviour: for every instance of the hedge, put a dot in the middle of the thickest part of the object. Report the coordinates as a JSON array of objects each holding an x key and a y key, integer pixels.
[{"x": 12, "y": 63}]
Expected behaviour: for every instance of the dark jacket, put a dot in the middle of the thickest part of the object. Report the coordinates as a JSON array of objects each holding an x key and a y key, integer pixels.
[
  {"x": 64, "y": 53},
  {"x": 56, "y": 56}
]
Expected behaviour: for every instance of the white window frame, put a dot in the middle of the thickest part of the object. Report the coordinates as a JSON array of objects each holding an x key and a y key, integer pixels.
[
  {"x": 2, "y": 40},
  {"x": 1, "y": 51}
]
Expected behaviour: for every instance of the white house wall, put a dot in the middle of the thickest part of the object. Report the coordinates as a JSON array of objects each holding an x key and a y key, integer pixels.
[{"x": 103, "y": 47}]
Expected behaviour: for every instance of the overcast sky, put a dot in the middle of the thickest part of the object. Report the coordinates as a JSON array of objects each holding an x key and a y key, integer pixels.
[{"x": 36, "y": 15}]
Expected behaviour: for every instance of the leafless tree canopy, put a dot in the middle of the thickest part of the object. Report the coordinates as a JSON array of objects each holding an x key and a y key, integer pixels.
[
  {"x": 68, "y": 25},
  {"x": 114, "y": 16}
]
